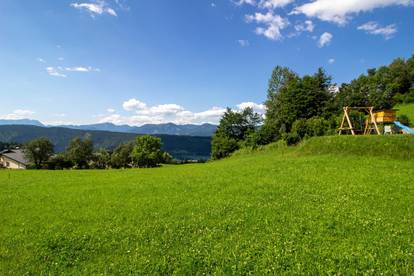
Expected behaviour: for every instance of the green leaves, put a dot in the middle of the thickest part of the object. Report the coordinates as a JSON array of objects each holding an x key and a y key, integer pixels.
[{"x": 147, "y": 152}]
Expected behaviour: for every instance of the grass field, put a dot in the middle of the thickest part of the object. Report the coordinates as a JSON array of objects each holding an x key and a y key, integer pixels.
[
  {"x": 309, "y": 209},
  {"x": 407, "y": 109}
]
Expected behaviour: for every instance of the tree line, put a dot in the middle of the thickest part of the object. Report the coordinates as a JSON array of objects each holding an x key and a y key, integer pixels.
[
  {"x": 299, "y": 107},
  {"x": 144, "y": 152}
]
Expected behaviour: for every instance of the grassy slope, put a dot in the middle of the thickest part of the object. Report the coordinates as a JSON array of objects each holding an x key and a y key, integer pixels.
[
  {"x": 270, "y": 211},
  {"x": 407, "y": 109}
]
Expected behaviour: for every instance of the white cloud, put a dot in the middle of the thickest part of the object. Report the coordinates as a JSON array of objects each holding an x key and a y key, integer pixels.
[
  {"x": 54, "y": 72},
  {"x": 340, "y": 11},
  {"x": 256, "y": 107},
  {"x": 273, "y": 24},
  {"x": 273, "y": 4},
  {"x": 41, "y": 60},
  {"x": 18, "y": 114},
  {"x": 82, "y": 69},
  {"x": 111, "y": 110},
  {"x": 325, "y": 39},
  {"x": 307, "y": 26},
  {"x": 375, "y": 29},
  {"x": 164, "y": 113},
  {"x": 265, "y": 4},
  {"x": 242, "y": 2},
  {"x": 243, "y": 43},
  {"x": 59, "y": 71},
  {"x": 134, "y": 104},
  {"x": 94, "y": 8},
  {"x": 331, "y": 61}
]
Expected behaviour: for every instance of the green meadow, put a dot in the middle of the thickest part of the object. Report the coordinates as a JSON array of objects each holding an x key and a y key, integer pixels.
[
  {"x": 407, "y": 109},
  {"x": 332, "y": 205}
]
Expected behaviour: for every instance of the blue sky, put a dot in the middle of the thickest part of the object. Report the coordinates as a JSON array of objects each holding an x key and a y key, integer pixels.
[{"x": 182, "y": 61}]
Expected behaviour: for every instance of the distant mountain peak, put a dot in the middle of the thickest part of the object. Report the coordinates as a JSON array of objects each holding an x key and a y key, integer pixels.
[{"x": 29, "y": 122}]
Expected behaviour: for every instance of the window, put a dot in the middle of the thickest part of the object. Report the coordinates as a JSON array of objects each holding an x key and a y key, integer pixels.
[{"x": 7, "y": 164}]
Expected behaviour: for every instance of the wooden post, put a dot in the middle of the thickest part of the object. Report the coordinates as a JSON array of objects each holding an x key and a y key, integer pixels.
[
  {"x": 371, "y": 109},
  {"x": 349, "y": 121},
  {"x": 342, "y": 123}
]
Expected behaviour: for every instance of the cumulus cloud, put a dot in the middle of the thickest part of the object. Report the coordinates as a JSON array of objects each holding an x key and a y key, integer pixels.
[
  {"x": 375, "y": 29},
  {"x": 141, "y": 113},
  {"x": 325, "y": 39},
  {"x": 134, "y": 104},
  {"x": 260, "y": 108},
  {"x": 340, "y": 11},
  {"x": 97, "y": 8},
  {"x": 18, "y": 114},
  {"x": 273, "y": 24},
  {"x": 331, "y": 61}
]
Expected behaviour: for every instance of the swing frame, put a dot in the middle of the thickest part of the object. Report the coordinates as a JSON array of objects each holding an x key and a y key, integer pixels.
[{"x": 370, "y": 122}]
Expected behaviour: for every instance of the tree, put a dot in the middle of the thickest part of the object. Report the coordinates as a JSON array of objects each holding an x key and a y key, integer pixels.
[
  {"x": 282, "y": 78},
  {"x": 233, "y": 128},
  {"x": 147, "y": 152},
  {"x": 101, "y": 159},
  {"x": 39, "y": 151},
  {"x": 296, "y": 98},
  {"x": 121, "y": 157},
  {"x": 80, "y": 152}
]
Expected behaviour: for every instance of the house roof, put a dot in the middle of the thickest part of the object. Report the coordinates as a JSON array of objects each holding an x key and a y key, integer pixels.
[{"x": 16, "y": 155}]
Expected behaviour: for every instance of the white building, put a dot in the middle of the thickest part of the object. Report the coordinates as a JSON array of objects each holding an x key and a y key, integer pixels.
[{"x": 13, "y": 159}]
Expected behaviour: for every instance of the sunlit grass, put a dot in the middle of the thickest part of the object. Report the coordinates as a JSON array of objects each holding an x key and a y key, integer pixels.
[{"x": 279, "y": 210}]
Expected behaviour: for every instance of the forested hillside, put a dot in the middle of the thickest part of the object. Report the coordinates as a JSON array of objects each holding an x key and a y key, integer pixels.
[{"x": 180, "y": 147}]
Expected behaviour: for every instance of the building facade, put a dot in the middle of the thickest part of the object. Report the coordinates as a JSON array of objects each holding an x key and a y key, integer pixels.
[{"x": 13, "y": 159}]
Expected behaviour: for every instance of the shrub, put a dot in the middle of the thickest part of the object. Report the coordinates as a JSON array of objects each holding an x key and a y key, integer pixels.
[
  {"x": 59, "y": 162},
  {"x": 315, "y": 126},
  {"x": 403, "y": 119},
  {"x": 222, "y": 146}
]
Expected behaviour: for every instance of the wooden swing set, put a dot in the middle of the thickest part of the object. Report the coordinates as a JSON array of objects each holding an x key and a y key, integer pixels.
[{"x": 370, "y": 123}]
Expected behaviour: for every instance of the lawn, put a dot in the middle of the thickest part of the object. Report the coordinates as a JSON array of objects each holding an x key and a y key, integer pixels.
[
  {"x": 407, "y": 109},
  {"x": 278, "y": 210}
]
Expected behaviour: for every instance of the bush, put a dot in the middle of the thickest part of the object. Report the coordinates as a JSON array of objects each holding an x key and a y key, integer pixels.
[
  {"x": 222, "y": 146},
  {"x": 59, "y": 162},
  {"x": 403, "y": 119},
  {"x": 315, "y": 126}
]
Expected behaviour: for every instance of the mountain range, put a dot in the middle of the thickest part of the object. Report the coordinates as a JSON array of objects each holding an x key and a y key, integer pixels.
[{"x": 205, "y": 130}]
